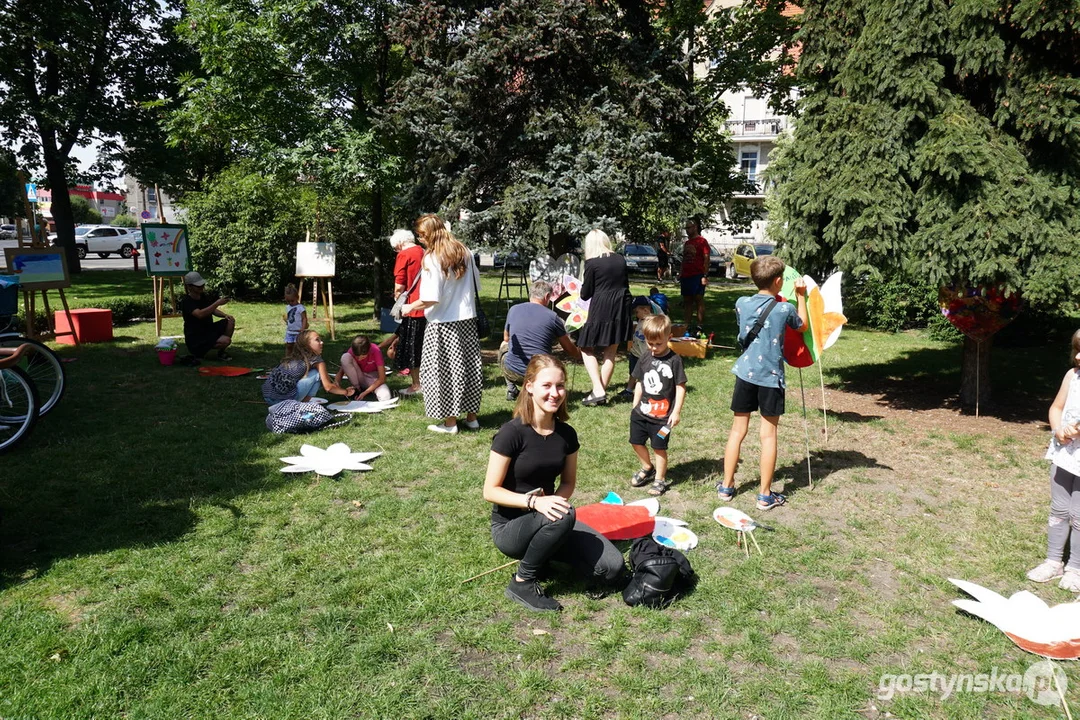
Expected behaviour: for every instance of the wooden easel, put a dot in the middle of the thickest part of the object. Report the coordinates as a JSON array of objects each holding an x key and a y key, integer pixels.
[
  {"x": 159, "y": 281},
  {"x": 37, "y": 240},
  {"x": 159, "y": 300},
  {"x": 327, "y": 286}
]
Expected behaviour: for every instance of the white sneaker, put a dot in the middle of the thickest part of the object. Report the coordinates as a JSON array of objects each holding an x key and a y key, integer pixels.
[
  {"x": 1070, "y": 580},
  {"x": 440, "y": 428},
  {"x": 1047, "y": 571},
  {"x": 471, "y": 424}
]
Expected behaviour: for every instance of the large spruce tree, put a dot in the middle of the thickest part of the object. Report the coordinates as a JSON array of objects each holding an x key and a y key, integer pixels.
[
  {"x": 550, "y": 117},
  {"x": 938, "y": 140}
]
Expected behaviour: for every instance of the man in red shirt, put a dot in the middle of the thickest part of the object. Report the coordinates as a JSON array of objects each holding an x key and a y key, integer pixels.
[{"x": 695, "y": 273}]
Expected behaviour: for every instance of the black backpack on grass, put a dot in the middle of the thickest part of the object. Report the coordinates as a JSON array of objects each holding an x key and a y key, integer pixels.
[{"x": 661, "y": 574}]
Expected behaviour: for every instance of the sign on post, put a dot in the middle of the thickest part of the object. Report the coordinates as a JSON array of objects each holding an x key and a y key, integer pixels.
[{"x": 31, "y": 192}]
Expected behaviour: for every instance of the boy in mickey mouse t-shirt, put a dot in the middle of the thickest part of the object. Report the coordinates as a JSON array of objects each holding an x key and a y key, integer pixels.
[{"x": 658, "y": 401}]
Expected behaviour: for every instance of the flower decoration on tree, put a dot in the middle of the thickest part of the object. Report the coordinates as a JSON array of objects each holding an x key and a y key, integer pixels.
[{"x": 980, "y": 311}]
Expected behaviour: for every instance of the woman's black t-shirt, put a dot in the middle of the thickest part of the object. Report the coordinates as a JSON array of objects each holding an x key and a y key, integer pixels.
[{"x": 535, "y": 460}]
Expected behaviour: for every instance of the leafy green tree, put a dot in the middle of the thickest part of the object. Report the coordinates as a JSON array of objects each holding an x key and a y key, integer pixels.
[
  {"x": 295, "y": 89},
  {"x": 82, "y": 212},
  {"x": 70, "y": 70},
  {"x": 245, "y": 225},
  {"x": 546, "y": 118},
  {"x": 937, "y": 141},
  {"x": 125, "y": 220}
]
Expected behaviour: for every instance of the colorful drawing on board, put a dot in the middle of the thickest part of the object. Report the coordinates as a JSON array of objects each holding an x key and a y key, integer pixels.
[
  {"x": 169, "y": 247},
  {"x": 38, "y": 268}
]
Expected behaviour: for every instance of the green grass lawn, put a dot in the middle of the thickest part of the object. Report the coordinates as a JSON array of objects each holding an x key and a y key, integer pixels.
[{"x": 156, "y": 564}]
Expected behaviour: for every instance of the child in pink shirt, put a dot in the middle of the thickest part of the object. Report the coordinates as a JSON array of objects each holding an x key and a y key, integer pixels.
[{"x": 362, "y": 363}]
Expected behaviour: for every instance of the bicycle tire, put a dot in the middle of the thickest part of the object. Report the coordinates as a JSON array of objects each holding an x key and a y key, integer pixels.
[
  {"x": 44, "y": 368},
  {"x": 18, "y": 420}
]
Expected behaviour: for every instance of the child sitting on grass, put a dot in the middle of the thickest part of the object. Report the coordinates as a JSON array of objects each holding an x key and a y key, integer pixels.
[
  {"x": 759, "y": 372},
  {"x": 363, "y": 364},
  {"x": 642, "y": 309},
  {"x": 658, "y": 401}
]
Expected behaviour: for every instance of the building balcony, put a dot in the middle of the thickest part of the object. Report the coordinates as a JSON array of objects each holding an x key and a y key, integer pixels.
[
  {"x": 756, "y": 190},
  {"x": 756, "y": 129}
]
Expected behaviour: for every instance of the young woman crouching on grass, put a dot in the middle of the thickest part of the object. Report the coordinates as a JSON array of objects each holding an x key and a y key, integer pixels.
[{"x": 531, "y": 519}]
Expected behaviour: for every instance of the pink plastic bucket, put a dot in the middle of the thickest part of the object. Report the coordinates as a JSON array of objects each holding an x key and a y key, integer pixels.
[{"x": 167, "y": 357}]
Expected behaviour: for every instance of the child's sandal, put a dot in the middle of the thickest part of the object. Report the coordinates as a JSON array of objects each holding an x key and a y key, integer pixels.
[
  {"x": 643, "y": 477},
  {"x": 659, "y": 487},
  {"x": 768, "y": 502},
  {"x": 727, "y": 494}
]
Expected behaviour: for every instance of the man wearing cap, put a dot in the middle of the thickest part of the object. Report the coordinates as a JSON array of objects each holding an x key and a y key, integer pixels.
[{"x": 201, "y": 332}]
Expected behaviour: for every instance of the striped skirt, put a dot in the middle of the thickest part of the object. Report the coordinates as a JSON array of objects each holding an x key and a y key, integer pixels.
[{"x": 451, "y": 374}]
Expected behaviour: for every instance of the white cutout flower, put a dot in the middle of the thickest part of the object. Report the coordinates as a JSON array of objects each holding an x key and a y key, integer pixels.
[
  {"x": 328, "y": 462},
  {"x": 364, "y": 406}
]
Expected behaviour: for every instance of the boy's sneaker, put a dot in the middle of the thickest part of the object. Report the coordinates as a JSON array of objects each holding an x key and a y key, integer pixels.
[
  {"x": 768, "y": 502},
  {"x": 1047, "y": 571},
  {"x": 529, "y": 594},
  {"x": 1070, "y": 580},
  {"x": 626, "y": 394}
]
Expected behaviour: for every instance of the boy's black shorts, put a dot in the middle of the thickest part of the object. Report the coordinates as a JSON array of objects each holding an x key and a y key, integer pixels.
[
  {"x": 642, "y": 430},
  {"x": 748, "y": 397}
]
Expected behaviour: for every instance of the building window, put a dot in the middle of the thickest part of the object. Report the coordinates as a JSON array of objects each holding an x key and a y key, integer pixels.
[
  {"x": 151, "y": 196},
  {"x": 748, "y": 165}
]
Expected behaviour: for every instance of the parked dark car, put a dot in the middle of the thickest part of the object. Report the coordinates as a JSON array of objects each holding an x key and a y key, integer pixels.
[
  {"x": 501, "y": 258},
  {"x": 640, "y": 258}
]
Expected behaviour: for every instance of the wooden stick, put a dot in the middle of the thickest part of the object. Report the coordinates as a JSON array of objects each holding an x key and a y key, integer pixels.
[
  {"x": 488, "y": 572},
  {"x": 824, "y": 411},
  {"x": 751, "y": 534},
  {"x": 978, "y": 360},
  {"x": 806, "y": 429},
  {"x": 1061, "y": 694}
]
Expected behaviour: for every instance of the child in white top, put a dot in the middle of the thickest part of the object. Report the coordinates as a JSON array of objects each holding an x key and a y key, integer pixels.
[
  {"x": 295, "y": 316},
  {"x": 1064, "y": 454}
]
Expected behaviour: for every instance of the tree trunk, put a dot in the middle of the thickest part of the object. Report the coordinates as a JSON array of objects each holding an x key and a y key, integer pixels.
[
  {"x": 975, "y": 374},
  {"x": 379, "y": 247},
  {"x": 56, "y": 173}
]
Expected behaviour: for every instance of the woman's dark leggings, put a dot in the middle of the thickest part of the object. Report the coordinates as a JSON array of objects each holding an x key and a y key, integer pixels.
[{"x": 535, "y": 540}]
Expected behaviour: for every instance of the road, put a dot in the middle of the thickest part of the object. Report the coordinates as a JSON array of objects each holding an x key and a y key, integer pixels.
[{"x": 92, "y": 262}]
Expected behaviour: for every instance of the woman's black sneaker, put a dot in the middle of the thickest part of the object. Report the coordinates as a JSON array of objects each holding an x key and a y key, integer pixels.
[{"x": 531, "y": 595}]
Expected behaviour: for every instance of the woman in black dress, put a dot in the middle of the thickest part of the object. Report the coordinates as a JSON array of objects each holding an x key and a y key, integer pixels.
[
  {"x": 610, "y": 321},
  {"x": 531, "y": 517}
]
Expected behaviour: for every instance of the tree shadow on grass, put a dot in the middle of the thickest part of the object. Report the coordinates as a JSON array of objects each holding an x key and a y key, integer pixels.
[
  {"x": 823, "y": 463},
  {"x": 1024, "y": 381},
  {"x": 704, "y": 471},
  {"x": 132, "y": 454}
]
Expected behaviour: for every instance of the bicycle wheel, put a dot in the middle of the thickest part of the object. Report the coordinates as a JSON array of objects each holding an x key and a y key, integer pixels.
[
  {"x": 44, "y": 369},
  {"x": 18, "y": 407}
]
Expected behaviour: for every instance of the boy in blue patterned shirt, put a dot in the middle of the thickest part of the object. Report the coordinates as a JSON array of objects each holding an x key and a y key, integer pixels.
[{"x": 759, "y": 372}]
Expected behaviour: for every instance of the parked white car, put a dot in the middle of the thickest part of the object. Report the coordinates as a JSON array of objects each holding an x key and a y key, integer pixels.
[{"x": 105, "y": 240}]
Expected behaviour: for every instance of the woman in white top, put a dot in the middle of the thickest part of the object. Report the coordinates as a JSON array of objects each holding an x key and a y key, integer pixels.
[{"x": 450, "y": 371}]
